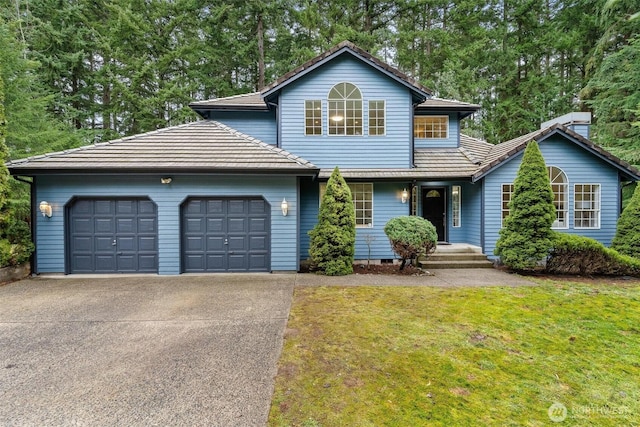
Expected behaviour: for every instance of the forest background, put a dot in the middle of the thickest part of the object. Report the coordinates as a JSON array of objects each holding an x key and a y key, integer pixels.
[{"x": 77, "y": 72}]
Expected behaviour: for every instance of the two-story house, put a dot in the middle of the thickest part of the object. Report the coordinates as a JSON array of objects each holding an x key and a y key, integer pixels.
[{"x": 240, "y": 189}]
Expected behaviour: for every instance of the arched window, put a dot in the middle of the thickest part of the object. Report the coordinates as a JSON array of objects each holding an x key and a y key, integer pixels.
[
  {"x": 345, "y": 110},
  {"x": 560, "y": 187}
]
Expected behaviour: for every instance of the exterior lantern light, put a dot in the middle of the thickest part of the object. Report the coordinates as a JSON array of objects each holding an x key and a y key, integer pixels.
[
  {"x": 285, "y": 207},
  {"x": 45, "y": 209},
  {"x": 405, "y": 196},
  {"x": 166, "y": 180}
]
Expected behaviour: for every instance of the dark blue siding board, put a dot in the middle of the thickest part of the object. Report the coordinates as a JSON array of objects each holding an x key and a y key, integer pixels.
[
  {"x": 451, "y": 142},
  {"x": 60, "y": 190},
  {"x": 580, "y": 168},
  {"x": 260, "y": 125},
  {"x": 390, "y": 151}
]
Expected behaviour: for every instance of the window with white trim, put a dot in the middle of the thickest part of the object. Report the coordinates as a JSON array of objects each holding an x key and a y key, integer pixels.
[
  {"x": 455, "y": 205},
  {"x": 586, "y": 206},
  {"x": 560, "y": 187},
  {"x": 376, "y": 118},
  {"x": 431, "y": 127},
  {"x": 507, "y": 193},
  {"x": 345, "y": 110},
  {"x": 313, "y": 117},
  {"x": 362, "y": 195}
]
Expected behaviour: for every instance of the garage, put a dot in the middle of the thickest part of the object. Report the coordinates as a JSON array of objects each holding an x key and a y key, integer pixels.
[
  {"x": 112, "y": 235},
  {"x": 225, "y": 235}
]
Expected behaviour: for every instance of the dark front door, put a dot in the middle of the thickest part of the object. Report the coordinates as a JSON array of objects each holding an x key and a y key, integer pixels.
[
  {"x": 225, "y": 234},
  {"x": 434, "y": 209},
  {"x": 118, "y": 235}
]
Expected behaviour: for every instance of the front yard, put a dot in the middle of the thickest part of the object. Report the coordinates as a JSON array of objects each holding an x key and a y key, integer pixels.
[{"x": 383, "y": 356}]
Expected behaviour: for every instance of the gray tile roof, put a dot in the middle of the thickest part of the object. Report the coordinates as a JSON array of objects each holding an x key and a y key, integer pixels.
[
  {"x": 447, "y": 104},
  {"x": 200, "y": 147},
  {"x": 245, "y": 101}
]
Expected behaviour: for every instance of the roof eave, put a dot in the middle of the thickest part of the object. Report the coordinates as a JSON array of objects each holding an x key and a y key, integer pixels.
[{"x": 18, "y": 171}]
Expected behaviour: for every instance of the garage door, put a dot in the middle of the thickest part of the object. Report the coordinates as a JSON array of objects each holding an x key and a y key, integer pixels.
[
  {"x": 113, "y": 236},
  {"x": 225, "y": 234}
]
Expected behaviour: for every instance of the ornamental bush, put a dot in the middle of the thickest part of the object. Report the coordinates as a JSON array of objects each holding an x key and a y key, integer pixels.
[
  {"x": 411, "y": 237},
  {"x": 627, "y": 238},
  {"x": 573, "y": 254},
  {"x": 333, "y": 239},
  {"x": 526, "y": 237}
]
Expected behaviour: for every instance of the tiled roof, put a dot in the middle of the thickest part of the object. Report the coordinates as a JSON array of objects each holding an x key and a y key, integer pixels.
[
  {"x": 343, "y": 46},
  {"x": 504, "y": 151},
  {"x": 245, "y": 101},
  {"x": 447, "y": 104},
  {"x": 202, "y": 146}
]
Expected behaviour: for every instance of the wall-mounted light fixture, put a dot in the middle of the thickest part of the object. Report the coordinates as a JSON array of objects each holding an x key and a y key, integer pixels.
[
  {"x": 166, "y": 180},
  {"x": 285, "y": 207},
  {"x": 405, "y": 195},
  {"x": 45, "y": 209}
]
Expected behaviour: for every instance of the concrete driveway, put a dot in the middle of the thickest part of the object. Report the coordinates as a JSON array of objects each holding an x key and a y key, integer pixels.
[{"x": 188, "y": 350}]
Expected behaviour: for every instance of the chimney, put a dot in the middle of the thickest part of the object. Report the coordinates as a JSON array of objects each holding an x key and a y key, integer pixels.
[{"x": 579, "y": 122}]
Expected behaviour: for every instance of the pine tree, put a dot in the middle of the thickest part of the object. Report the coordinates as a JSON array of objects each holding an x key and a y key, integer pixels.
[
  {"x": 526, "y": 237},
  {"x": 4, "y": 172},
  {"x": 627, "y": 238},
  {"x": 333, "y": 238}
]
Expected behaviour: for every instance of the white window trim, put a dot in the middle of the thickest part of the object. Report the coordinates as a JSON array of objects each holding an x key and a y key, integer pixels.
[
  {"x": 323, "y": 187},
  {"x": 362, "y": 118},
  {"x": 567, "y": 201},
  {"x": 304, "y": 118},
  {"x": 428, "y": 115},
  {"x": 384, "y": 111},
  {"x": 599, "y": 210},
  {"x": 501, "y": 209},
  {"x": 453, "y": 207}
]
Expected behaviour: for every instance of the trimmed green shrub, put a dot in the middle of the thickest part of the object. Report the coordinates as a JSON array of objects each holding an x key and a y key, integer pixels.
[
  {"x": 333, "y": 239},
  {"x": 573, "y": 254},
  {"x": 526, "y": 237},
  {"x": 411, "y": 237},
  {"x": 627, "y": 238}
]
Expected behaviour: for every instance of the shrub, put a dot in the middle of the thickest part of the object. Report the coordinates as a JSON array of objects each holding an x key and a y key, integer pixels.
[
  {"x": 526, "y": 237},
  {"x": 14, "y": 254},
  {"x": 627, "y": 238},
  {"x": 411, "y": 237},
  {"x": 572, "y": 254},
  {"x": 333, "y": 239}
]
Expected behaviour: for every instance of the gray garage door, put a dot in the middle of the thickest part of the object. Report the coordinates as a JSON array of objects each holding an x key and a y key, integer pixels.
[
  {"x": 225, "y": 234},
  {"x": 112, "y": 236}
]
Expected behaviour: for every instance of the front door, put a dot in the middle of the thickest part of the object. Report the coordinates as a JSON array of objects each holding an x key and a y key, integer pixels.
[{"x": 434, "y": 209}]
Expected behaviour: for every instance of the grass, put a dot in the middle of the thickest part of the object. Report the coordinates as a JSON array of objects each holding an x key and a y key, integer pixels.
[{"x": 376, "y": 356}]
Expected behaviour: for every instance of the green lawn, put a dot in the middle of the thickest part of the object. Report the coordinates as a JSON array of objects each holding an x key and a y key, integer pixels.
[{"x": 389, "y": 356}]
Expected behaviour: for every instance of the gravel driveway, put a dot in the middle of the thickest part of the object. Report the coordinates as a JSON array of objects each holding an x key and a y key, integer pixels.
[{"x": 148, "y": 350}]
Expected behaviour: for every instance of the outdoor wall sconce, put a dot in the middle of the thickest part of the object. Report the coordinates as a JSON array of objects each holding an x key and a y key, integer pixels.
[
  {"x": 166, "y": 180},
  {"x": 45, "y": 209},
  {"x": 285, "y": 207},
  {"x": 405, "y": 196}
]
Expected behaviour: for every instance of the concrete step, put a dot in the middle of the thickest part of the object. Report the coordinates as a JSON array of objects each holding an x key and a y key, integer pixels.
[
  {"x": 469, "y": 256},
  {"x": 435, "y": 265}
]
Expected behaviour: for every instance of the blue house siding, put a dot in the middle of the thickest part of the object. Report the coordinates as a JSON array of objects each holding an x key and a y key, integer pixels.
[
  {"x": 452, "y": 141},
  {"x": 580, "y": 167},
  {"x": 58, "y": 191},
  {"x": 388, "y": 151},
  {"x": 260, "y": 125},
  {"x": 387, "y": 204}
]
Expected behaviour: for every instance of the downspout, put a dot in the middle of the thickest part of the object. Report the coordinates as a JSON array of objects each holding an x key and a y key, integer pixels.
[{"x": 32, "y": 195}]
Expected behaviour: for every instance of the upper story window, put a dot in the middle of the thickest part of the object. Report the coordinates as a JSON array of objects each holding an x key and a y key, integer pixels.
[
  {"x": 376, "y": 118},
  {"x": 345, "y": 110},
  {"x": 313, "y": 117},
  {"x": 560, "y": 188},
  {"x": 431, "y": 127}
]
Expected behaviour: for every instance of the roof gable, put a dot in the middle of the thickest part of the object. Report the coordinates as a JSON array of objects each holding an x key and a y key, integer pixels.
[
  {"x": 506, "y": 151},
  {"x": 204, "y": 146},
  {"x": 419, "y": 92}
]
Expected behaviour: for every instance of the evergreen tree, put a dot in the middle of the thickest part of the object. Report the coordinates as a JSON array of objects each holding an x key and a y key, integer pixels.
[
  {"x": 526, "y": 236},
  {"x": 333, "y": 238},
  {"x": 4, "y": 172},
  {"x": 627, "y": 238}
]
